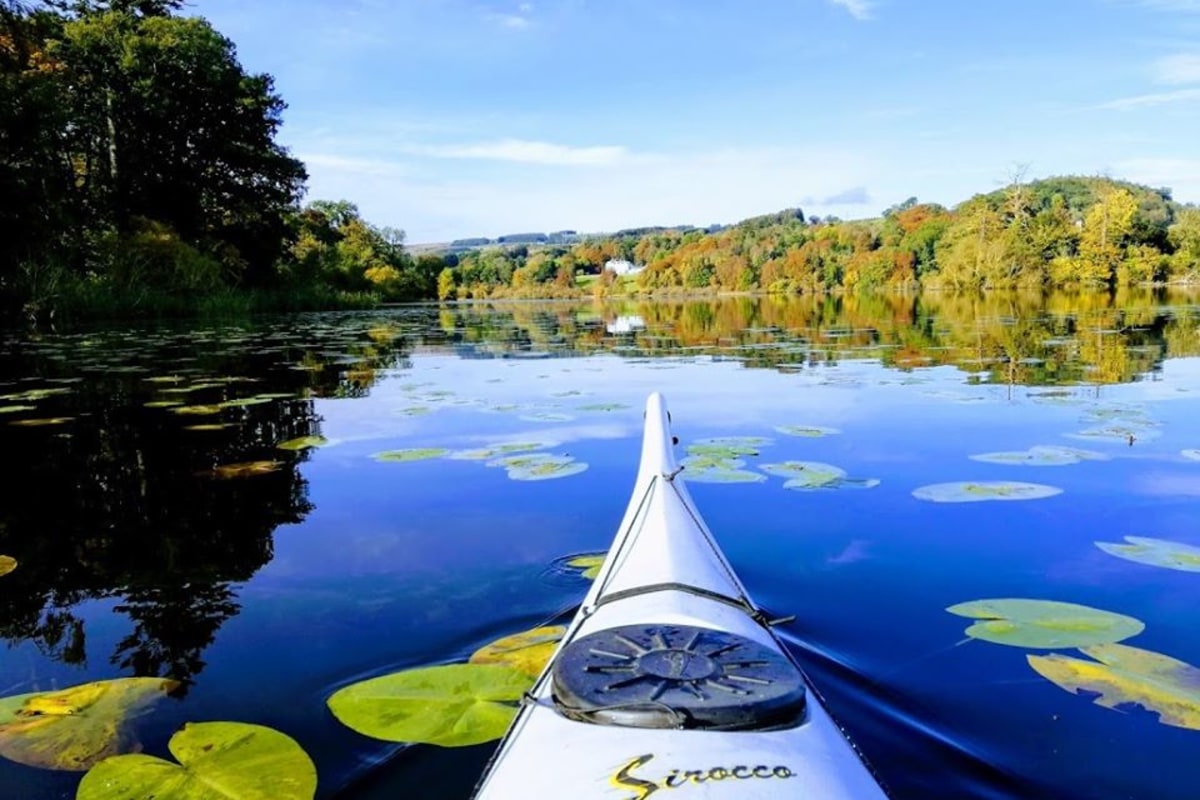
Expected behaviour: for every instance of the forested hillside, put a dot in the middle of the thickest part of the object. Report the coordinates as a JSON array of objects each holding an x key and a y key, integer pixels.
[{"x": 1069, "y": 231}]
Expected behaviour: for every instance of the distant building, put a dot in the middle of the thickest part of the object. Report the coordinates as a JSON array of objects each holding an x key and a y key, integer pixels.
[{"x": 623, "y": 267}]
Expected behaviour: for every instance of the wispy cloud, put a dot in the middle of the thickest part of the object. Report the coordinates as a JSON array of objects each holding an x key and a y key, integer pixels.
[
  {"x": 525, "y": 152},
  {"x": 1151, "y": 100},
  {"x": 856, "y": 196},
  {"x": 859, "y": 9},
  {"x": 1178, "y": 69},
  {"x": 1189, "y": 6},
  {"x": 520, "y": 19}
]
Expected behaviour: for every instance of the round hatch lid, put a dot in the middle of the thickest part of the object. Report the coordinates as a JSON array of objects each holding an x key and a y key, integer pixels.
[{"x": 676, "y": 676}]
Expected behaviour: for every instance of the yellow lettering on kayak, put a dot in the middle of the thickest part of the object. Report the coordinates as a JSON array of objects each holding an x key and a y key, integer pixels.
[{"x": 643, "y": 788}]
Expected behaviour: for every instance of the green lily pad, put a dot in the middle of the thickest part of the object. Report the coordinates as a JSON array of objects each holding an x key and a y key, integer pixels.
[
  {"x": 75, "y": 728},
  {"x": 412, "y": 454},
  {"x": 807, "y": 431},
  {"x": 808, "y": 474},
  {"x": 491, "y": 452},
  {"x": 211, "y": 426},
  {"x": 217, "y": 761},
  {"x": 1045, "y": 624},
  {"x": 539, "y": 466},
  {"x": 41, "y": 422},
  {"x": 454, "y": 705},
  {"x": 527, "y": 651},
  {"x": 414, "y": 411},
  {"x": 303, "y": 443},
  {"x": 243, "y": 402},
  {"x": 1042, "y": 456},
  {"x": 606, "y": 407},
  {"x": 243, "y": 469},
  {"x": 727, "y": 447},
  {"x": 163, "y": 404},
  {"x": 975, "y": 491},
  {"x": 1156, "y": 552},
  {"x": 7, "y": 564},
  {"x": 721, "y": 475},
  {"x": 16, "y": 409},
  {"x": 1123, "y": 675},
  {"x": 33, "y": 395}
]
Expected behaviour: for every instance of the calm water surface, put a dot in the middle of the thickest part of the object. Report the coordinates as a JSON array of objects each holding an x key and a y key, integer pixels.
[{"x": 265, "y": 593}]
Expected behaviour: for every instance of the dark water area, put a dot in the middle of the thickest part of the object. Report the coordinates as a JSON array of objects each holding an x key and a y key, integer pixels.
[{"x": 159, "y": 530}]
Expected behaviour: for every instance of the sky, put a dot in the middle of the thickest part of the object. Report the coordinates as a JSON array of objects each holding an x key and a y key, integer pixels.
[{"x": 460, "y": 118}]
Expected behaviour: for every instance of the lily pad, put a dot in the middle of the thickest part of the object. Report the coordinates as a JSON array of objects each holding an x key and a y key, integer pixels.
[
  {"x": 163, "y": 404},
  {"x": 75, "y": 728},
  {"x": 588, "y": 563},
  {"x": 1118, "y": 432},
  {"x": 199, "y": 411},
  {"x": 1046, "y": 624},
  {"x": 976, "y": 491},
  {"x": 7, "y": 564},
  {"x": 1123, "y": 675},
  {"x": 722, "y": 475},
  {"x": 491, "y": 452},
  {"x": 605, "y": 407},
  {"x": 807, "y": 431},
  {"x": 808, "y": 474},
  {"x": 728, "y": 446},
  {"x": 412, "y": 454},
  {"x": 1156, "y": 552},
  {"x": 303, "y": 443},
  {"x": 211, "y": 426},
  {"x": 454, "y": 705},
  {"x": 16, "y": 409},
  {"x": 527, "y": 651},
  {"x": 41, "y": 422},
  {"x": 539, "y": 466},
  {"x": 225, "y": 760},
  {"x": 1042, "y": 456},
  {"x": 244, "y": 469}
]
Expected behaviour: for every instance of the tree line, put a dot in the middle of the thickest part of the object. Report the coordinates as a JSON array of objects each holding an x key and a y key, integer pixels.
[
  {"x": 1058, "y": 232},
  {"x": 139, "y": 170}
]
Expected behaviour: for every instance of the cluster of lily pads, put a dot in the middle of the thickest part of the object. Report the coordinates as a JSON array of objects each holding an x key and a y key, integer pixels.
[
  {"x": 722, "y": 460},
  {"x": 1116, "y": 674},
  {"x": 87, "y": 728},
  {"x": 519, "y": 459}
]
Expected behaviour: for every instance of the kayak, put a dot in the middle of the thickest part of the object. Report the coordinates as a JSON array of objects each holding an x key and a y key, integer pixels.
[{"x": 669, "y": 681}]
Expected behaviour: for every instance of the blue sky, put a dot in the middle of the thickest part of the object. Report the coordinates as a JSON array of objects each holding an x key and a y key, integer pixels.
[{"x": 454, "y": 118}]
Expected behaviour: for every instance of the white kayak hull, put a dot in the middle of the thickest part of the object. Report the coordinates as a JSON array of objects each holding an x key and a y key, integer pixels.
[{"x": 665, "y": 570}]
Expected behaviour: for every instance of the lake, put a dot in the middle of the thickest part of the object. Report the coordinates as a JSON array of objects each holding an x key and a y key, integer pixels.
[{"x": 159, "y": 530}]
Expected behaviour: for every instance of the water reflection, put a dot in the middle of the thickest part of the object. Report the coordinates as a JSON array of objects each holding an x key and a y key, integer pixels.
[{"x": 120, "y": 501}]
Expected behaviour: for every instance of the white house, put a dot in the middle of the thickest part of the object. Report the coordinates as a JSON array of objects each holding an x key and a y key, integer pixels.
[{"x": 622, "y": 267}]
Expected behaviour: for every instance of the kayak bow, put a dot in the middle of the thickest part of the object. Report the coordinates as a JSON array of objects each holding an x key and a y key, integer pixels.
[{"x": 669, "y": 677}]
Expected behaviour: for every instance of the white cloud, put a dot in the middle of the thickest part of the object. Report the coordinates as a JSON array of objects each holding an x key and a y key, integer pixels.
[
  {"x": 525, "y": 152},
  {"x": 1152, "y": 100},
  {"x": 1178, "y": 69},
  {"x": 1190, "y": 6},
  {"x": 515, "y": 21},
  {"x": 859, "y": 9}
]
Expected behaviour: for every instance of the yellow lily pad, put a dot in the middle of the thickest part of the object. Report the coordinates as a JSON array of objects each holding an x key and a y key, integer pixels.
[
  {"x": 211, "y": 426},
  {"x": 75, "y": 728},
  {"x": 1122, "y": 675},
  {"x": 41, "y": 422},
  {"x": 454, "y": 705},
  {"x": 199, "y": 411},
  {"x": 303, "y": 443},
  {"x": 527, "y": 651},
  {"x": 1047, "y": 624},
  {"x": 589, "y": 563},
  {"x": 7, "y": 564},
  {"x": 217, "y": 761},
  {"x": 245, "y": 469}
]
